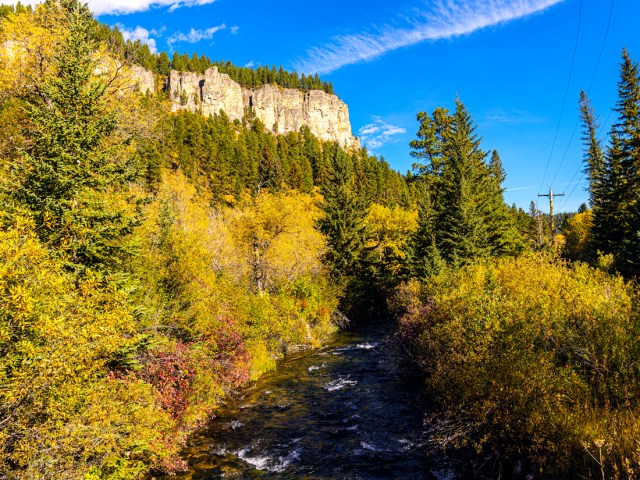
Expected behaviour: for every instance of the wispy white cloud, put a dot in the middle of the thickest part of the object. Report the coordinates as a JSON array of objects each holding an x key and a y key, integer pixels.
[
  {"x": 512, "y": 117},
  {"x": 122, "y": 7},
  {"x": 194, "y": 36},
  {"x": 142, "y": 34},
  {"x": 439, "y": 19},
  {"x": 379, "y": 133},
  {"x": 234, "y": 30},
  {"x": 515, "y": 189}
]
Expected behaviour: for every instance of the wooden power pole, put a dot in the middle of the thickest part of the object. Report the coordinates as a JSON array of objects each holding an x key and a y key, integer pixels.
[{"x": 552, "y": 220}]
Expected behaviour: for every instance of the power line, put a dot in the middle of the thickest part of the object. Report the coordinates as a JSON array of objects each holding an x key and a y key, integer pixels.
[
  {"x": 566, "y": 92},
  {"x": 593, "y": 78},
  {"x": 600, "y": 136},
  {"x": 565, "y": 153}
]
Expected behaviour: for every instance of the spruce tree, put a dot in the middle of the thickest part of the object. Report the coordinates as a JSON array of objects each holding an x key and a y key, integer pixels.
[
  {"x": 614, "y": 178},
  {"x": 596, "y": 169},
  {"x": 425, "y": 256},
  {"x": 469, "y": 218},
  {"x": 67, "y": 177},
  {"x": 504, "y": 236},
  {"x": 344, "y": 211},
  {"x": 628, "y": 126},
  {"x": 462, "y": 228},
  {"x": 163, "y": 65}
]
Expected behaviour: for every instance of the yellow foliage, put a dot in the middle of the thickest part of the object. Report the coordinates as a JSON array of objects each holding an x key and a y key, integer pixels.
[
  {"x": 276, "y": 237},
  {"x": 28, "y": 44},
  {"x": 62, "y": 414},
  {"x": 390, "y": 234},
  {"x": 184, "y": 246},
  {"x": 200, "y": 268},
  {"x": 578, "y": 235},
  {"x": 528, "y": 356}
]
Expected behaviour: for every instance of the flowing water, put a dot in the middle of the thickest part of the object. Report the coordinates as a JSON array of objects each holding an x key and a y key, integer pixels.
[{"x": 351, "y": 410}]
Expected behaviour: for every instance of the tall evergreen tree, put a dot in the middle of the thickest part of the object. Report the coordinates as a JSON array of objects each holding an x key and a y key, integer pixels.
[
  {"x": 426, "y": 259},
  {"x": 463, "y": 231},
  {"x": 614, "y": 178},
  {"x": 596, "y": 169},
  {"x": 504, "y": 236},
  {"x": 469, "y": 217},
  {"x": 163, "y": 64},
  {"x": 344, "y": 211},
  {"x": 628, "y": 126},
  {"x": 67, "y": 179}
]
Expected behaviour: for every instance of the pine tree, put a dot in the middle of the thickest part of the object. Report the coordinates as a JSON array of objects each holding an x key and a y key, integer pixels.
[
  {"x": 270, "y": 169},
  {"x": 344, "y": 212},
  {"x": 163, "y": 65},
  {"x": 628, "y": 126},
  {"x": 504, "y": 237},
  {"x": 67, "y": 180},
  {"x": 593, "y": 156},
  {"x": 426, "y": 259},
  {"x": 614, "y": 178},
  {"x": 463, "y": 231},
  {"x": 469, "y": 216},
  {"x": 596, "y": 169},
  {"x": 177, "y": 62}
]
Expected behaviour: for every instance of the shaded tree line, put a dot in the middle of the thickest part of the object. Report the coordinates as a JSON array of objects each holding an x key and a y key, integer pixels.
[{"x": 238, "y": 157}]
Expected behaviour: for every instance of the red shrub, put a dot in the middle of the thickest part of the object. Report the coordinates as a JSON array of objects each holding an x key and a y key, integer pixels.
[
  {"x": 231, "y": 361},
  {"x": 171, "y": 373}
]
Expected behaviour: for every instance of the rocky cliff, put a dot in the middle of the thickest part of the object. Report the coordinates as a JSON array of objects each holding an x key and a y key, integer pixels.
[{"x": 281, "y": 109}]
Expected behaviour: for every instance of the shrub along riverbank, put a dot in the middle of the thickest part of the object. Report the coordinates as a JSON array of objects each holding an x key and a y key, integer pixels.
[{"x": 530, "y": 358}]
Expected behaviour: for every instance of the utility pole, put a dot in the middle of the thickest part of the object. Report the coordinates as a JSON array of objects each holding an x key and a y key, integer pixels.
[{"x": 552, "y": 220}]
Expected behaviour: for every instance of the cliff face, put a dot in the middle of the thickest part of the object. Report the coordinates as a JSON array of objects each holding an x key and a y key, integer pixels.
[
  {"x": 285, "y": 109},
  {"x": 143, "y": 79},
  {"x": 125, "y": 77}
]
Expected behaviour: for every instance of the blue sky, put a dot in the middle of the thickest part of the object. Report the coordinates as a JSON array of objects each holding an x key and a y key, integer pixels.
[{"x": 508, "y": 60}]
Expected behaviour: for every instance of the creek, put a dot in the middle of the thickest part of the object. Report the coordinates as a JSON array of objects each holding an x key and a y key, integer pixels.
[{"x": 351, "y": 410}]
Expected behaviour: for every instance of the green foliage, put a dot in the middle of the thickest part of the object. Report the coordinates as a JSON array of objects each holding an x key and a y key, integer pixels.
[
  {"x": 253, "y": 78},
  {"x": 234, "y": 158},
  {"x": 67, "y": 180},
  {"x": 462, "y": 212},
  {"x": 63, "y": 413},
  {"x": 530, "y": 358},
  {"x": 614, "y": 178},
  {"x": 344, "y": 211}
]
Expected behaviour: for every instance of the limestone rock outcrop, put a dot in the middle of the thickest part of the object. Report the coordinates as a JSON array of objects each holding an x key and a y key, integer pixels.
[
  {"x": 282, "y": 110},
  {"x": 143, "y": 79},
  {"x": 125, "y": 77}
]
